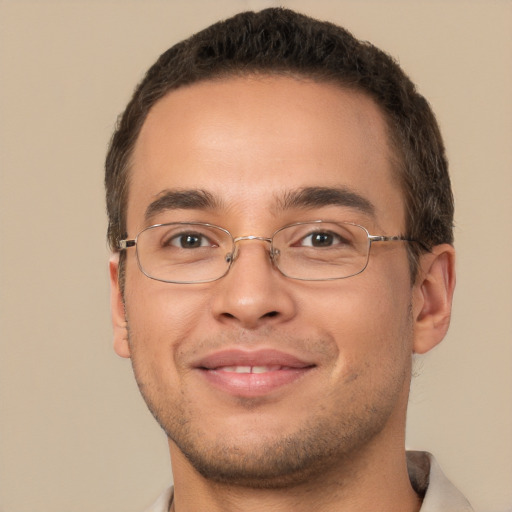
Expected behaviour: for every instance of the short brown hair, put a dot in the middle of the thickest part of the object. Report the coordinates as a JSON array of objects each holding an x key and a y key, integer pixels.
[{"x": 281, "y": 41}]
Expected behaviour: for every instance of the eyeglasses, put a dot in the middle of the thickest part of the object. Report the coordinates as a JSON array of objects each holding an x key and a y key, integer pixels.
[{"x": 196, "y": 252}]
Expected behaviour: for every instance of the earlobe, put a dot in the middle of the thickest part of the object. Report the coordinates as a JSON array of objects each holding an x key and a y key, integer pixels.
[
  {"x": 121, "y": 345},
  {"x": 432, "y": 297}
]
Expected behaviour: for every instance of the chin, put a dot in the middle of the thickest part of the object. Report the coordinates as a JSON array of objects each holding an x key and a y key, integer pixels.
[{"x": 277, "y": 461}]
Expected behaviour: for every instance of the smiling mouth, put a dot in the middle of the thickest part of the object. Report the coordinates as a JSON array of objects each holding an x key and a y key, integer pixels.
[
  {"x": 250, "y": 369},
  {"x": 252, "y": 374}
]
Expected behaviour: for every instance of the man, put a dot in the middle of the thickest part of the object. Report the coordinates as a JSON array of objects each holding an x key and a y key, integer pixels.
[{"x": 281, "y": 222}]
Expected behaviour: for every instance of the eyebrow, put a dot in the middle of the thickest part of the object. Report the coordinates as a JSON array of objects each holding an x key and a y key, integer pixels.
[
  {"x": 316, "y": 197},
  {"x": 309, "y": 197},
  {"x": 181, "y": 200}
]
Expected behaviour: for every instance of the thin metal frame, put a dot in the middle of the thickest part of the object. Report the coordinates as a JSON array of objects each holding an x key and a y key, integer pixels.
[{"x": 127, "y": 243}]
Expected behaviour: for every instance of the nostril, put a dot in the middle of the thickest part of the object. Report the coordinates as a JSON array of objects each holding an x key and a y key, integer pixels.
[{"x": 271, "y": 314}]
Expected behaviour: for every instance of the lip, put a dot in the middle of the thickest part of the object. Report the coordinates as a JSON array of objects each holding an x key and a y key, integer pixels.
[{"x": 251, "y": 373}]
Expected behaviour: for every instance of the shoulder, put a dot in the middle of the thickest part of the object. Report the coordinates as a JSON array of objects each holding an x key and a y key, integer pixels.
[
  {"x": 163, "y": 503},
  {"x": 427, "y": 478}
]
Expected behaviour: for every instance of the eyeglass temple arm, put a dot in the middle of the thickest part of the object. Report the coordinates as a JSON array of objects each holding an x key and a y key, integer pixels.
[
  {"x": 380, "y": 238},
  {"x": 377, "y": 238},
  {"x": 124, "y": 244}
]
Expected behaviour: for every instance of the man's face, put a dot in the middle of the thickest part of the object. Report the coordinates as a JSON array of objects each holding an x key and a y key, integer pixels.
[{"x": 330, "y": 359}]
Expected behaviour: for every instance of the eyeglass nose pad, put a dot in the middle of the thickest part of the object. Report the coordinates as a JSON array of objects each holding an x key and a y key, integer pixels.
[
  {"x": 232, "y": 256},
  {"x": 274, "y": 255}
]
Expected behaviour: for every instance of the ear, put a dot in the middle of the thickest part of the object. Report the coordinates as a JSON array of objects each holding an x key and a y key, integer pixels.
[
  {"x": 121, "y": 345},
  {"x": 432, "y": 297}
]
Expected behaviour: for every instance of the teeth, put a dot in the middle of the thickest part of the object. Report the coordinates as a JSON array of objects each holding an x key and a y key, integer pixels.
[
  {"x": 249, "y": 369},
  {"x": 264, "y": 369},
  {"x": 236, "y": 369},
  {"x": 260, "y": 369}
]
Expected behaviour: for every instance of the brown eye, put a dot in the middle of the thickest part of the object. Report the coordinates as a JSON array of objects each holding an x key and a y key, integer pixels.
[
  {"x": 321, "y": 239},
  {"x": 189, "y": 241}
]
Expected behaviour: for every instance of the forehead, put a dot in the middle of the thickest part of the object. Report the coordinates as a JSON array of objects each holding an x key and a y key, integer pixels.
[{"x": 250, "y": 141}]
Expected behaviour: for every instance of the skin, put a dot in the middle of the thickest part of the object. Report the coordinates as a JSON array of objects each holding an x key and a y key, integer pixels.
[{"x": 332, "y": 439}]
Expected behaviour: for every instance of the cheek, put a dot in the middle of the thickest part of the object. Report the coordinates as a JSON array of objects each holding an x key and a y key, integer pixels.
[
  {"x": 160, "y": 322},
  {"x": 368, "y": 319},
  {"x": 160, "y": 316}
]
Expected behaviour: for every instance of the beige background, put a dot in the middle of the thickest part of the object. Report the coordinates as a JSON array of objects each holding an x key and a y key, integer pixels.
[{"x": 74, "y": 434}]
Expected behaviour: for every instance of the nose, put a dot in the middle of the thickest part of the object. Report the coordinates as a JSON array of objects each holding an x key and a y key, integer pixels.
[{"x": 253, "y": 293}]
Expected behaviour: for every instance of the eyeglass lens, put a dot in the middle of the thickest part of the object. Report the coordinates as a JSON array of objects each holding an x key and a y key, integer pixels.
[{"x": 196, "y": 252}]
